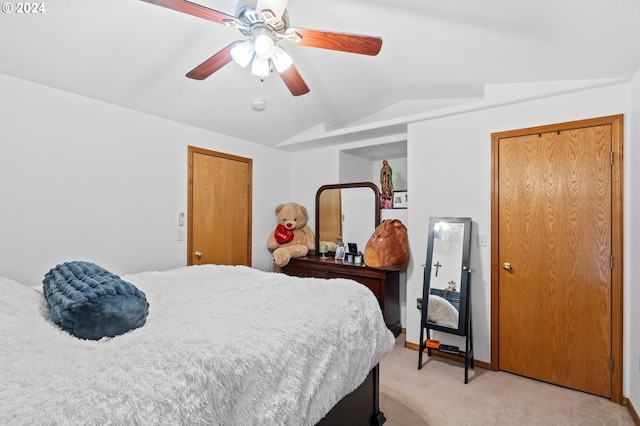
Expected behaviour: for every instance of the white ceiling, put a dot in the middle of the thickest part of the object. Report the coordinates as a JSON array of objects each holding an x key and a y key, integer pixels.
[{"x": 435, "y": 53}]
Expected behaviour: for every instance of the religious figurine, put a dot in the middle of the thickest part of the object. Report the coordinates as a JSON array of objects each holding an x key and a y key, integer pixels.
[{"x": 386, "y": 181}]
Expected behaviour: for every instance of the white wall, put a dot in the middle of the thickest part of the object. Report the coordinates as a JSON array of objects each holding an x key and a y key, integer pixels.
[
  {"x": 453, "y": 178},
  {"x": 85, "y": 180},
  {"x": 309, "y": 171},
  {"x": 353, "y": 168}
]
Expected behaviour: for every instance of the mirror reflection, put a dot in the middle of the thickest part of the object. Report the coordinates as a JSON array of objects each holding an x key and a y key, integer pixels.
[
  {"x": 347, "y": 210},
  {"x": 444, "y": 293},
  {"x": 446, "y": 275}
]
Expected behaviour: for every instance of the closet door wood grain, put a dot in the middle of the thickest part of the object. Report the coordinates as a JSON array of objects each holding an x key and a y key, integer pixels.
[
  {"x": 555, "y": 230},
  {"x": 219, "y": 208}
]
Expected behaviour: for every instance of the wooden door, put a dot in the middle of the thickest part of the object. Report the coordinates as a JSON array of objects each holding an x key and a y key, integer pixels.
[
  {"x": 219, "y": 203},
  {"x": 330, "y": 211},
  {"x": 555, "y": 254}
]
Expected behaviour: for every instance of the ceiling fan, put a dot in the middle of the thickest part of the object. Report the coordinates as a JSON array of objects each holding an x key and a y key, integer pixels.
[{"x": 264, "y": 23}]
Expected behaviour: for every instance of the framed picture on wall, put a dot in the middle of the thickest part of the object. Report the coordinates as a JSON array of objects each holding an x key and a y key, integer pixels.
[{"x": 400, "y": 199}]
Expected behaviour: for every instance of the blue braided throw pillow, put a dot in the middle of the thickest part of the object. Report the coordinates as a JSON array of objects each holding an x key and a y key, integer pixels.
[{"x": 91, "y": 303}]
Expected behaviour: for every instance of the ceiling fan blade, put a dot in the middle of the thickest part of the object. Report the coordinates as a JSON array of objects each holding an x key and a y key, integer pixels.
[
  {"x": 196, "y": 10},
  {"x": 214, "y": 63},
  {"x": 353, "y": 43},
  {"x": 294, "y": 81},
  {"x": 275, "y": 6}
]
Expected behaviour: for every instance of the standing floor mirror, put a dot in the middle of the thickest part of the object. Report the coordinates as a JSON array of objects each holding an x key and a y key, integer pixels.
[{"x": 446, "y": 296}]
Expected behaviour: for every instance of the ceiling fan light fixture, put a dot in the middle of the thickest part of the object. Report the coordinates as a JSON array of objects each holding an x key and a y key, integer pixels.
[
  {"x": 264, "y": 46},
  {"x": 260, "y": 67},
  {"x": 263, "y": 42},
  {"x": 243, "y": 53},
  {"x": 264, "y": 23},
  {"x": 280, "y": 59}
]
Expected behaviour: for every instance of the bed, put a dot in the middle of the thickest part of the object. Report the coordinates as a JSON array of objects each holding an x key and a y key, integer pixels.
[
  {"x": 442, "y": 312},
  {"x": 221, "y": 345}
]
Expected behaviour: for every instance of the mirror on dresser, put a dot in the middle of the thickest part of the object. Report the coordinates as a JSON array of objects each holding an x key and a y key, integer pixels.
[
  {"x": 351, "y": 211},
  {"x": 347, "y": 210}
]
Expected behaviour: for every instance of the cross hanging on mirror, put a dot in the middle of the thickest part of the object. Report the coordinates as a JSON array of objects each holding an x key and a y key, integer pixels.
[{"x": 437, "y": 265}]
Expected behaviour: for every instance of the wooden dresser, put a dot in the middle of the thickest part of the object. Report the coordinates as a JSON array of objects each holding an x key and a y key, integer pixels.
[{"x": 384, "y": 284}]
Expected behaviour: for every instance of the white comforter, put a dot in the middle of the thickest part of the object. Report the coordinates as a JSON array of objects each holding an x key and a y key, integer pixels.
[
  {"x": 222, "y": 345},
  {"x": 442, "y": 312}
]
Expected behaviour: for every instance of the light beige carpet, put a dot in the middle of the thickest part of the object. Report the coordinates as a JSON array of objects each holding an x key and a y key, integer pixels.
[{"x": 437, "y": 395}]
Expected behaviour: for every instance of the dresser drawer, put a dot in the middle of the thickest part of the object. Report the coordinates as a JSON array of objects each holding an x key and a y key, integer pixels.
[
  {"x": 305, "y": 272},
  {"x": 374, "y": 284}
]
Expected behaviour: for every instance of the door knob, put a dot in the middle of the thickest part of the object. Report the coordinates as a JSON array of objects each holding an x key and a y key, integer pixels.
[
  {"x": 198, "y": 254},
  {"x": 506, "y": 266}
]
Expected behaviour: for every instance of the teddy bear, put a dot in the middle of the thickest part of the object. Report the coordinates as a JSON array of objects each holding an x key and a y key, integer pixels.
[
  {"x": 451, "y": 288},
  {"x": 388, "y": 247},
  {"x": 292, "y": 236}
]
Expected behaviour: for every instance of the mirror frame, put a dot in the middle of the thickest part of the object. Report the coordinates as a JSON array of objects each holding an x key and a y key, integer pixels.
[
  {"x": 376, "y": 204},
  {"x": 465, "y": 270}
]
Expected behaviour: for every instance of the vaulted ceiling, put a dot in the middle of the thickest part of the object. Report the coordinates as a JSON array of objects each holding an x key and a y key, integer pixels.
[{"x": 435, "y": 54}]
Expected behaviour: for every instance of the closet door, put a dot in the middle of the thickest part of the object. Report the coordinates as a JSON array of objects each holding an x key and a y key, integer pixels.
[
  {"x": 555, "y": 256},
  {"x": 219, "y": 214}
]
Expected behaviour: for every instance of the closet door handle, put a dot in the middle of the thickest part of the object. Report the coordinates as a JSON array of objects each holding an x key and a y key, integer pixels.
[
  {"x": 198, "y": 255},
  {"x": 507, "y": 266}
]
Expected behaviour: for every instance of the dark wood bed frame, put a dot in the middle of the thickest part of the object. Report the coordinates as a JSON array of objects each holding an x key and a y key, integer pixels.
[{"x": 361, "y": 407}]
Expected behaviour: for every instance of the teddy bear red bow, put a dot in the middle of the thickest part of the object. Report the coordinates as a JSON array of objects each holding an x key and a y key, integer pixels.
[
  {"x": 292, "y": 236},
  {"x": 282, "y": 234}
]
